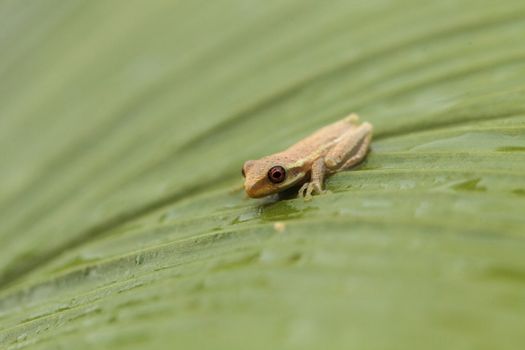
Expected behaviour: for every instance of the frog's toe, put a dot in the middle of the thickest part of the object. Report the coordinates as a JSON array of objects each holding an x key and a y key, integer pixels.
[
  {"x": 309, "y": 189},
  {"x": 353, "y": 118},
  {"x": 317, "y": 188},
  {"x": 308, "y": 196},
  {"x": 303, "y": 190}
]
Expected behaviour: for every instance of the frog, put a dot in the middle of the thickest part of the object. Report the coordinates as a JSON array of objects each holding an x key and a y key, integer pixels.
[{"x": 338, "y": 146}]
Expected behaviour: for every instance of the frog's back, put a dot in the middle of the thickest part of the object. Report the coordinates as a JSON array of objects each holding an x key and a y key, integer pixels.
[{"x": 322, "y": 139}]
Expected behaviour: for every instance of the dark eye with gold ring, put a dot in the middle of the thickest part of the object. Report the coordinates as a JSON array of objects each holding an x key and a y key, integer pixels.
[
  {"x": 276, "y": 174},
  {"x": 243, "y": 173}
]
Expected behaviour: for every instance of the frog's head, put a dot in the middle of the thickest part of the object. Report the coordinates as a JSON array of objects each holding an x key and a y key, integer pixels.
[{"x": 271, "y": 174}]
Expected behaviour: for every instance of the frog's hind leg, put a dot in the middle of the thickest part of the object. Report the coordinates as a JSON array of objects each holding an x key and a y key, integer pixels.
[
  {"x": 351, "y": 149},
  {"x": 360, "y": 154}
]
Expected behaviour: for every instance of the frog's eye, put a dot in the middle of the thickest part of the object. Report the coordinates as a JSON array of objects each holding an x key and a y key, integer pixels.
[
  {"x": 276, "y": 174},
  {"x": 243, "y": 173}
]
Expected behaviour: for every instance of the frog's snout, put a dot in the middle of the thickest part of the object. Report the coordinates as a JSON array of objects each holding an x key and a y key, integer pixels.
[
  {"x": 254, "y": 191},
  {"x": 250, "y": 191}
]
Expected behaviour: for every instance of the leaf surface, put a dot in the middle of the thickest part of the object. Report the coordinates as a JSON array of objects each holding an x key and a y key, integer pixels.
[{"x": 123, "y": 128}]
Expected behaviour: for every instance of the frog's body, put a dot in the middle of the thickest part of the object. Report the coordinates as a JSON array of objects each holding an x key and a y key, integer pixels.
[{"x": 335, "y": 147}]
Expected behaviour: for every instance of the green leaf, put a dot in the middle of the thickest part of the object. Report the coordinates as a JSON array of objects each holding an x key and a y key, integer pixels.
[{"x": 123, "y": 128}]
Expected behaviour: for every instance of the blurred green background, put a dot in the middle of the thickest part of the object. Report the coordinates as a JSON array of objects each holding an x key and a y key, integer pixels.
[{"x": 123, "y": 128}]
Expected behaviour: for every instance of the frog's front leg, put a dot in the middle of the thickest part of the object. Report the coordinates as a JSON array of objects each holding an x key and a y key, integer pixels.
[{"x": 315, "y": 185}]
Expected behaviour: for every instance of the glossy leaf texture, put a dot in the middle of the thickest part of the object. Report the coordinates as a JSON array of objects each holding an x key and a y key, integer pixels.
[{"x": 123, "y": 129}]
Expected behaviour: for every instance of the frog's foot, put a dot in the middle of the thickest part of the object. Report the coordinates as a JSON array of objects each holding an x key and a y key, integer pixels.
[
  {"x": 310, "y": 188},
  {"x": 353, "y": 119}
]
